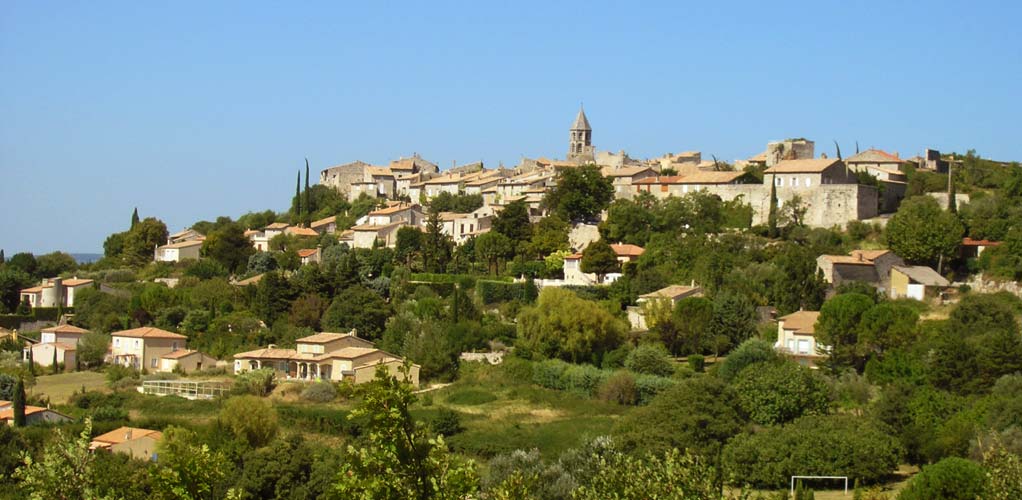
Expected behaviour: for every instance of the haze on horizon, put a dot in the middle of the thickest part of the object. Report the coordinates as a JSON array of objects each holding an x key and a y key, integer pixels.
[{"x": 190, "y": 110}]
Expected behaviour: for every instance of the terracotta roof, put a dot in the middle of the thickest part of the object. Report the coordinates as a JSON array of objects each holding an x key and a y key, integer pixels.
[
  {"x": 250, "y": 281},
  {"x": 350, "y": 353},
  {"x": 324, "y": 221},
  {"x": 62, "y": 345},
  {"x": 374, "y": 228},
  {"x": 969, "y": 242},
  {"x": 181, "y": 353},
  {"x": 185, "y": 244},
  {"x": 923, "y": 275},
  {"x": 71, "y": 282},
  {"x": 307, "y": 252},
  {"x": 874, "y": 156},
  {"x": 325, "y": 337},
  {"x": 274, "y": 353},
  {"x": 858, "y": 257},
  {"x": 8, "y": 414},
  {"x": 250, "y": 232},
  {"x": 760, "y": 157},
  {"x": 626, "y": 250},
  {"x": 393, "y": 209},
  {"x": 122, "y": 434},
  {"x": 623, "y": 171},
  {"x": 65, "y": 328},
  {"x": 301, "y": 231},
  {"x": 714, "y": 177},
  {"x": 35, "y": 289},
  {"x": 379, "y": 171},
  {"x": 77, "y": 282},
  {"x": 672, "y": 292},
  {"x": 815, "y": 165},
  {"x": 278, "y": 225},
  {"x": 803, "y": 322},
  {"x": 148, "y": 333}
]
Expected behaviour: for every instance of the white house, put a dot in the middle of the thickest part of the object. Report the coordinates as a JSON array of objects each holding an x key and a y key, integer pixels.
[
  {"x": 142, "y": 348},
  {"x": 55, "y": 292},
  {"x": 796, "y": 337},
  {"x": 180, "y": 251}
]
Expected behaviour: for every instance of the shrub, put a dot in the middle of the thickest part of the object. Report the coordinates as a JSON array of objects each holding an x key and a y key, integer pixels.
[
  {"x": 470, "y": 397},
  {"x": 583, "y": 379},
  {"x": 446, "y": 422},
  {"x": 697, "y": 362},
  {"x": 951, "y": 478},
  {"x": 115, "y": 373},
  {"x": 651, "y": 385},
  {"x": 109, "y": 413},
  {"x": 497, "y": 291},
  {"x": 256, "y": 382},
  {"x": 549, "y": 373},
  {"x": 778, "y": 392},
  {"x": 832, "y": 445},
  {"x": 320, "y": 392},
  {"x": 620, "y": 388},
  {"x": 250, "y": 418},
  {"x": 650, "y": 359},
  {"x": 749, "y": 352}
]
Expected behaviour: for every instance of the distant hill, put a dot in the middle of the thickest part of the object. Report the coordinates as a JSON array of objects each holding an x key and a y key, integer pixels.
[{"x": 87, "y": 258}]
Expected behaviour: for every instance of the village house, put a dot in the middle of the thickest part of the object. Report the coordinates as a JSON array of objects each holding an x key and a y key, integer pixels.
[
  {"x": 670, "y": 295},
  {"x": 460, "y": 226},
  {"x": 326, "y": 225},
  {"x": 395, "y": 212},
  {"x": 367, "y": 235},
  {"x": 186, "y": 361},
  {"x": 61, "y": 340},
  {"x": 326, "y": 356},
  {"x": 916, "y": 282},
  {"x": 186, "y": 235},
  {"x": 796, "y": 337},
  {"x": 34, "y": 415},
  {"x": 142, "y": 348},
  {"x": 138, "y": 443},
  {"x": 623, "y": 178},
  {"x": 974, "y": 248},
  {"x": 55, "y": 292},
  {"x": 310, "y": 255},
  {"x": 880, "y": 164},
  {"x": 179, "y": 251},
  {"x": 868, "y": 266},
  {"x": 573, "y": 274},
  {"x": 681, "y": 185}
]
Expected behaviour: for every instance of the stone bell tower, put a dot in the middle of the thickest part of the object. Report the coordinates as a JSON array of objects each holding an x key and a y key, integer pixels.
[{"x": 580, "y": 145}]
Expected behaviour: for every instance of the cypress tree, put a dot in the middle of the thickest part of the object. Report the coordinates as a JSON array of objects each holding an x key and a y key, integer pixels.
[
  {"x": 772, "y": 215},
  {"x": 952, "y": 197},
  {"x": 308, "y": 196},
  {"x": 55, "y": 369},
  {"x": 2, "y": 258},
  {"x": 134, "y": 218},
  {"x": 19, "y": 403},
  {"x": 31, "y": 362}
]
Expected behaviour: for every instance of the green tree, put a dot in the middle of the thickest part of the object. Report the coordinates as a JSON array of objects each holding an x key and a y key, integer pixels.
[
  {"x": 887, "y": 326},
  {"x": 251, "y": 419},
  {"x": 671, "y": 475},
  {"x": 24, "y": 261},
  {"x": 409, "y": 242},
  {"x": 92, "y": 349},
  {"x": 134, "y": 218},
  {"x": 838, "y": 327},
  {"x": 734, "y": 316},
  {"x": 436, "y": 245},
  {"x": 651, "y": 359},
  {"x": 549, "y": 235},
  {"x": 692, "y": 317},
  {"x": 19, "y": 403},
  {"x": 54, "y": 264},
  {"x": 12, "y": 281},
  {"x": 952, "y": 478},
  {"x": 562, "y": 325},
  {"x": 273, "y": 297},
  {"x": 63, "y": 472},
  {"x": 229, "y": 246},
  {"x": 398, "y": 458},
  {"x": 778, "y": 392},
  {"x": 188, "y": 470},
  {"x": 599, "y": 259},
  {"x": 359, "y": 308},
  {"x": 699, "y": 414},
  {"x": 493, "y": 248},
  {"x": 142, "y": 240},
  {"x": 921, "y": 232},
  {"x": 513, "y": 222},
  {"x": 580, "y": 193},
  {"x": 750, "y": 352}
]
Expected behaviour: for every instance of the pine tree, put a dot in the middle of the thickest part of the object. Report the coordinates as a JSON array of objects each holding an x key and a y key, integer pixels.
[
  {"x": 134, "y": 218},
  {"x": 308, "y": 196},
  {"x": 19, "y": 403}
]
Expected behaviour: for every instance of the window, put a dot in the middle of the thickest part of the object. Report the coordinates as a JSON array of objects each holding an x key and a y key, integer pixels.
[
  {"x": 117, "y": 342},
  {"x": 137, "y": 342},
  {"x": 173, "y": 347},
  {"x": 803, "y": 347},
  {"x": 794, "y": 182},
  {"x": 152, "y": 364},
  {"x": 779, "y": 181},
  {"x": 791, "y": 345},
  {"x": 809, "y": 181}
]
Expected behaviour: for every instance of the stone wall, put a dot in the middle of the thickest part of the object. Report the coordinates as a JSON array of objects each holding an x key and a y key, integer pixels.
[
  {"x": 980, "y": 285},
  {"x": 828, "y": 204},
  {"x": 342, "y": 177}
]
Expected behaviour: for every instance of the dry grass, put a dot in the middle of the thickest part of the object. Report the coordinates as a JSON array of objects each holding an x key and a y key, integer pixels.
[{"x": 60, "y": 387}]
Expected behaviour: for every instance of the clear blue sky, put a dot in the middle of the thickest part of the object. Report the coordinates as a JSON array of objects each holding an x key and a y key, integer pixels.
[{"x": 190, "y": 110}]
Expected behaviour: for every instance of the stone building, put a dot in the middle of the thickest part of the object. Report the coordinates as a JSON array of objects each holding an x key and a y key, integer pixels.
[
  {"x": 789, "y": 149},
  {"x": 580, "y": 144}
]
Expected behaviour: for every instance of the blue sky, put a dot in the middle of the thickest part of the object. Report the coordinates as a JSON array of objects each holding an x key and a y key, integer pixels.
[{"x": 190, "y": 110}]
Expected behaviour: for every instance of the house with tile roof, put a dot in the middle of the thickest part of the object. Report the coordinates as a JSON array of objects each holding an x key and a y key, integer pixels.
[
  {"x": 179, "y": 251},
  {"x": 54, "y": 292},
  {"x": 139, "y": 443},
  {"x": 186, "y": 361},
  {"x": 572, "y": 266},
  {"x": 326, "y": 356},
  {"x": 681, "y": 185},
  {"x": 867, "y": 266},
  {"x": 803, "y": 175},
  {"x": 463, "y": 226},
  {"x": 58, "y": 343},
  {"x": 796, "y": 337},
  {"x": 624, "y": 177},
  {"x": 142, "y": 348},
  {"x": 916, "y": 282},
  {"x": 34, "y": 415},
  {"x": 327, "y": 225},
  {"x": 671, "y": 295}
]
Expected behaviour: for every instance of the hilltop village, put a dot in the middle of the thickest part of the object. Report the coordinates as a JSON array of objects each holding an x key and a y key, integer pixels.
[{"x": 591, "y": 327}]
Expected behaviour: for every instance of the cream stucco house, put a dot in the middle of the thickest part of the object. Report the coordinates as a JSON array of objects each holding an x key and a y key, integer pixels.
[
  {"x": 328, "y": 356},
  {"x": 142, "y": 348},
  {"x": 54, "y": 292},
  {"x": 796, "y": 337},
  {"x": 139, "y": 443}
]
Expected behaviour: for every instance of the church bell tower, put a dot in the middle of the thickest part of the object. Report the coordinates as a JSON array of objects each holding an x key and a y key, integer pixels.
[{"x": 580, "y": 145}]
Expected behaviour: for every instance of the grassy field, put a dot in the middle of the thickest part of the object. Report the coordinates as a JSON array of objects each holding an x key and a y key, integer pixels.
[
  {"x": 503, "y": 411},
  {"x": 60, "y": 387}
]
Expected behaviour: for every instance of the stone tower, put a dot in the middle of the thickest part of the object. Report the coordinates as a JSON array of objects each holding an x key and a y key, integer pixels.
[{"x": 580, "y": 145}]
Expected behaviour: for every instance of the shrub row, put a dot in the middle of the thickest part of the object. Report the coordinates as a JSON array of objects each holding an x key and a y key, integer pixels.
[
  {"x": 13, "y": 321},
  {"x": 501, "y": 291},
  {"x": 589, "y": 381},
  {"x": 324, "y": 420}
]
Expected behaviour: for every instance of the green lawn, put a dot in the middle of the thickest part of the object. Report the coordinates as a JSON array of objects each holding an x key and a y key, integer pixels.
[{"x": 60, "y": 387}]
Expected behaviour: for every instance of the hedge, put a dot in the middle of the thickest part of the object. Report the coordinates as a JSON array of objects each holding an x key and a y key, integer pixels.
[
  {"x": 590, "y": 292},
  {"x": 586, "y": 380},
  {"x": 50, "y": 313},
  {"x": 14, "y": 321},
  {"x": 499, "y": 291}
]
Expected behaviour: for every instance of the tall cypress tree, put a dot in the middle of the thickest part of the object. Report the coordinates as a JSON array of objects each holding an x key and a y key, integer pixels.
[
  {"x": 772, "y": 215},
  {"x": 308, "y": 196},
  {"x": 19, "y": 403},
  {"x": 55, "y": 369},
  {"x": 31, "y": 362},
  {"x": 2, "y": 258},
  {"x": 134, "y": 218}
]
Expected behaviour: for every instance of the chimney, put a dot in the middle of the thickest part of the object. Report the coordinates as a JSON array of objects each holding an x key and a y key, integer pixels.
[
  {"x": 127, "y": 435},
  {"x": 271, "y": 346}
]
